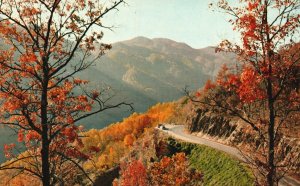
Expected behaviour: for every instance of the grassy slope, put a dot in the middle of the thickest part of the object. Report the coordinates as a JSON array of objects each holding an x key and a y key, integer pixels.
[{"x": 219, "y": 169}]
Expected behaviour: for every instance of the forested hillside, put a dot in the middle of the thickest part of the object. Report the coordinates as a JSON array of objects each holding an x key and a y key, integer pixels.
[{"x": 144, "y": 72}]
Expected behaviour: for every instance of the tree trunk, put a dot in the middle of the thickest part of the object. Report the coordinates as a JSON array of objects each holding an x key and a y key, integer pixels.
[
  {"x": 271, "y": 167},
  {"x": 271, "y": 133},
  {"x": 272, "y": 171},
  {"x": 45, "y": 140},
  {"x": 45, "y": 163}
]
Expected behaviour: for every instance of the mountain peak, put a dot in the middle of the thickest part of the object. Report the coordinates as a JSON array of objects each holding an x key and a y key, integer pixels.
[
  {"x": 164, "y": 44},
  {"x": 140, "y": 40},
  {"x": 170, "y": 42}
]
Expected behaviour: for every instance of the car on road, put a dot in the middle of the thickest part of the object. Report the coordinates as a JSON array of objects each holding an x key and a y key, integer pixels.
[{"x": 162, "y": 127}]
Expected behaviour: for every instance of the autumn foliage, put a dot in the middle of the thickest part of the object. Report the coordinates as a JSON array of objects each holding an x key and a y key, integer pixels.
[
  {"x": 117, "y": 139},
  {"x": 262, "y": 90},
  {"x": 46, "y": 43},
  {"x": 173, "y": 171},
  {"x": 134, "y": 174},
  {"x": 168, "y": 171}
]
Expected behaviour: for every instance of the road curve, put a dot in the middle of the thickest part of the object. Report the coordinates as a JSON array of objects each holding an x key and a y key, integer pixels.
[{"x": 178, "y": 131}]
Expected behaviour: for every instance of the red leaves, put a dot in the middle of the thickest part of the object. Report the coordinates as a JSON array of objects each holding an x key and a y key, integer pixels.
[
  {"x": 134, "y": 174},
  {"x": 95, "y": 94},
  {"x": 32, "y": 135},
  {"x": 172, "y": 171},
  {"x": 37, "y": 67},
  {"x": 28, "y": 57},
  {"x": 20, "y": 135},
  {"x": 94, "y": 149},
  {"x": 68, "y": 7},
  {"x": 198, "y": 94},
  {"x": 29, "y": 11},
  {"x": 75, "y": 153},
  {"x": 209, "y": 85},
  {"x": 249, "y": 25},
  {"x": 247, "y": 84},
  {"x": 82, "y": 98},
  {"x": 8, "y": 150},
  {"x": 249, "y": 89},
  {"x": 70, "y": 133},
  {"x": 167, "y": 171},
  {"x": 252, "y": 6},
  {"x": 233, "y": 79}
]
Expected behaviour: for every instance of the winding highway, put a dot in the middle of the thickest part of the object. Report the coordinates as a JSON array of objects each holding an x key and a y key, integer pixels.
[{"x": 178, "y": 131}]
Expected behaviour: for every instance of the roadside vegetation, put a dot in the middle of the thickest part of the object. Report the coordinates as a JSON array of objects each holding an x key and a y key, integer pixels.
[{"x": 218, "y": 168}]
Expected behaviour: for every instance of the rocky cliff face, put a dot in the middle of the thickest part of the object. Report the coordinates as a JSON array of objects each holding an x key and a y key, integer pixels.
[
  {"x": 217, "y": 126},
  {"x": 234, "y": 132}
]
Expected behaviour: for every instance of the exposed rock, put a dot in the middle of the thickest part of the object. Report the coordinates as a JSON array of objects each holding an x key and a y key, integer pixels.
[
  {"x": 106, "y": 178},
  {"x": 216, "y": 126}
]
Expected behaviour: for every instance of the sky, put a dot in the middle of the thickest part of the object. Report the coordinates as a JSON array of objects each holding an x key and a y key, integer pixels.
[{"x": 188, "y": 21}]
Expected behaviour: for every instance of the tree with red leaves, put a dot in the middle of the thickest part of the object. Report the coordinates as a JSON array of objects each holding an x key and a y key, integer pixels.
[
  {"x": 47, "y": 43},
  {"x": 134, "y": 174},
  {"x": 173, "y": 171},
  {"x": 264, "y": 89}
]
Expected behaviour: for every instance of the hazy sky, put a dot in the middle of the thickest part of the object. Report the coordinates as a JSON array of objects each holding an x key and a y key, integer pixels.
[{"x": 189, "y": 21}]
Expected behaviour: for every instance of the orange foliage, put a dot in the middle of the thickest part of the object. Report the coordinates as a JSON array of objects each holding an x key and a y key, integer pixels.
[
  {"x": 20, "y": 180},
  {"x": 116, "y": 139},
  {"x": 128, "y": 140},
  {"x": 37, "y": 68}
]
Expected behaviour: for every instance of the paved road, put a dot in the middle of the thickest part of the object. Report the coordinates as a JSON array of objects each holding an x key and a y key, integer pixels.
[{"x": 178, "y": 132}]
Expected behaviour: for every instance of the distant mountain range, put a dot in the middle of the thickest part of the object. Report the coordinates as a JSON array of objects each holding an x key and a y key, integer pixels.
[{"x": 146, "y": 71}]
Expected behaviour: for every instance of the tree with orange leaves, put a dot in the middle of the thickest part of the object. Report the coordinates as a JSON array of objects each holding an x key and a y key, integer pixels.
[
  {"x": 264, "y": 89},
  {"x": 48, "y": 42}
]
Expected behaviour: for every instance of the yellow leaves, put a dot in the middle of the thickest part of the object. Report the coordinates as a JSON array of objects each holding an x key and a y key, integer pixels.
[
  {"x": 23, "y": 180},
  {"x": 17, "y": 178}
]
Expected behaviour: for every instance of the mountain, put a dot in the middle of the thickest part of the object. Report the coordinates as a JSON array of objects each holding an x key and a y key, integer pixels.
[{"x": 145, "y": 71}]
